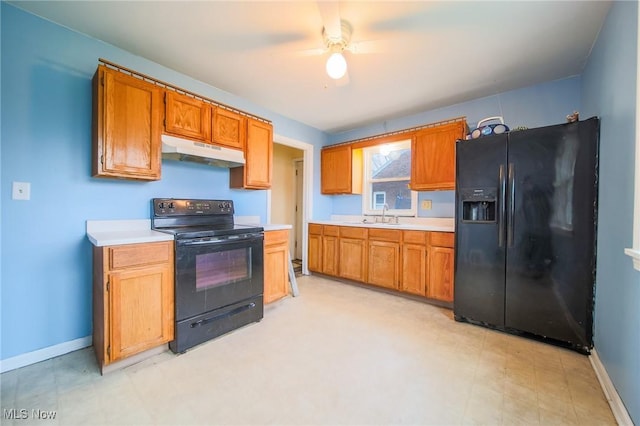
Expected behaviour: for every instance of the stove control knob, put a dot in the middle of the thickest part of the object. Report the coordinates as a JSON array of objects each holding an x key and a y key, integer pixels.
[
  {"x": 161, "y": 205},
  {"x": 171, "y": 206}
]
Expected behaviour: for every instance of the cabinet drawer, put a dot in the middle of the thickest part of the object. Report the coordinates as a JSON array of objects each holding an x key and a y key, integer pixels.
[
  {"x": 384, "y": 234},
  {"x": 414, "y": 237},
  {"x": 315, "y": 229},
  {"x": 353, "y": 232},
  {"x": 139, "y": 254},
  {"x": 276, "y": 237},
  {"x": 442, "y": 239},
  {"x": 331, "y": 230}
]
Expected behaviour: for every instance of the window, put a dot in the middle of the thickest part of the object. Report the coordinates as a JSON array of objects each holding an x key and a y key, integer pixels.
[{"x": 387, "y": 170}]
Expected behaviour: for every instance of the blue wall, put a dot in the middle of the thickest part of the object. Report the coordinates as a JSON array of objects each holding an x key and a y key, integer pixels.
[
  {"x": 535, "y": 106},
  {"x": 609, "y": 91},
  {"x": 46, "y": 140}
]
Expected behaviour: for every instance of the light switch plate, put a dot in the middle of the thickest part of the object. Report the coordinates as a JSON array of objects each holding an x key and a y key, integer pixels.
[
  {"x": 425, "y": 205},
  {"x": 21, "y": 191}
]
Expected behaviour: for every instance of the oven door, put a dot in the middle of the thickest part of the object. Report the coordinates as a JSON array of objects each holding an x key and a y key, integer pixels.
[{"x": 215, "y": 272}]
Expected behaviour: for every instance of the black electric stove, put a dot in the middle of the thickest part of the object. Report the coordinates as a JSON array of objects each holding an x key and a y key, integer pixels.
[{"x": 219, "y": 277}]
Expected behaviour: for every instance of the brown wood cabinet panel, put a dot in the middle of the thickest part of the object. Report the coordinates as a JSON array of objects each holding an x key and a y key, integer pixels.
[
  {"x": 315, "y": 229},
  {"x": 353, "y": 232},
  {"x": 141, "y": 310},
  {"x": 229, "y": 128},
  {"x": 441, "y": 273},
  {"x": 276, "y": 265},
  {"x": 256, "y": 173},
  {"x": 385, "y": 234},
  {"x": 384, "y": 264},
  {"x": 433, "y": 157},
  {"x": 331, "y": 230},
  {"x": 414, "y": 237},
  {"x": 187, "y": 116},
  {"x": 330, "y": 253},
  {"x": 127, "y": 124},
  {"x": 414, "y": 268},
  {"x": 353, "y": 256},
  {"x": 131, "y": 255},
  {"x": 442, "y": 239},
  {"x": 314, "y": 259},
  {"x": 341, "y": 170}
]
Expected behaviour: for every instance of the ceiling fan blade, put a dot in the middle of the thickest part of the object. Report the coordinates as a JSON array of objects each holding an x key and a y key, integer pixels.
[
  {"x": 370, "y": 46},
  {"x": 330, "y": 13},
  {"x": 310, "y": 52}
]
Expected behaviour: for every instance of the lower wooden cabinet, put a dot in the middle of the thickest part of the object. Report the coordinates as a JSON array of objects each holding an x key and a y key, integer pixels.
[
  {"x": 353, "y": 253},
  {"x": 441, "y": 261},
  {"x": 384, "y": 258},
  {"x": 133, "y": 299},
  {"x": 276, "y": 265},
  {"x": 415, "y": 262}
]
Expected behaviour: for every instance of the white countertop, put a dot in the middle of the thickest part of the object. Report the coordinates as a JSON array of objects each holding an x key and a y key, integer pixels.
[
  {"x": 255, "y": 221},
  {"x": 437, "y": 224},
  {"x": 116, "y": 232}
]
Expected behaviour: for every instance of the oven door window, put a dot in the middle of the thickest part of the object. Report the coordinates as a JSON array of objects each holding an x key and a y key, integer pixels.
[{"x": 222, "y": 268}]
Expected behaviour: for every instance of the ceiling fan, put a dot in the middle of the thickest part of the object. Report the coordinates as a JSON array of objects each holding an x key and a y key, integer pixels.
[{"x": 336, "y": 34}]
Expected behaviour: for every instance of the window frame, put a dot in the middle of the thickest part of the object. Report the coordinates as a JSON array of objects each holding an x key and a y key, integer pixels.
[{"x": 367, "y": 190}]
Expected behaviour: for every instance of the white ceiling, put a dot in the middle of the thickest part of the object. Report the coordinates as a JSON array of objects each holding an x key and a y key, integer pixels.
[{"x": 430, "y": 54}]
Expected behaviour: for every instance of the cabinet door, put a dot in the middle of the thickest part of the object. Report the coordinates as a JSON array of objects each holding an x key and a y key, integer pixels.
[
  {"x": 433, "y": 157},
  {"x": 256, "y": 173},
  {"x": 141, "y": 309},
  {"x": 384, "y": 259},
  {"x": 414, "y": 268},
  {"x": 228, "y": 128},
  {"x": 315, "y": 253},
  {"x": 330, "y": 255},
  {"x": 127, "y": 126},
  {"x": 187, "y": 116},
  {"x": 441, "y": 274},
  {"x": 276, "y": 265},
  {"x": 341, "y": 170},
  {"x": 276, "y": 272},
  {"x": 352, "y": 259}
]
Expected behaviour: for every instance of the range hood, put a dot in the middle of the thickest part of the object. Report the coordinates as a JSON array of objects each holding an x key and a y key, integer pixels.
[{"x": 174, "y": 148}]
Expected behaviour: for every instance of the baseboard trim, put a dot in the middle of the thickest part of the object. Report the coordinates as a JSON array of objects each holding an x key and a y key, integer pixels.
[
  {"x": 615, "y": 402},
  {"x": 44, "y": 354}
]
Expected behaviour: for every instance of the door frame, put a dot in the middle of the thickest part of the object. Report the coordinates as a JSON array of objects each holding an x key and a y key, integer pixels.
[{"x": 307, "y": 191}]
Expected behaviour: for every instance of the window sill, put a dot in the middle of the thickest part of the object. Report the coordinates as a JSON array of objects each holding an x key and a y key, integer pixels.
[{"x": 635, "y": 255}]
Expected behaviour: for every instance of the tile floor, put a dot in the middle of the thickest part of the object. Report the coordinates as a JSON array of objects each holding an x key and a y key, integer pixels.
[{"x": 337, "y": 354}]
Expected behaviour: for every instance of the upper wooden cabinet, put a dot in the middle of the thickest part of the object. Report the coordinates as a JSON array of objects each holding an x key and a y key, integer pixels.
[
  {"x": 258, "y": 152},
  {"x": 433, "y": 157},
  {"x": 127, "y": 122},
  {"x": 187, "y": 116},
  {"x": 341, "y": 170},
  {"x": 229, "y": 128}
]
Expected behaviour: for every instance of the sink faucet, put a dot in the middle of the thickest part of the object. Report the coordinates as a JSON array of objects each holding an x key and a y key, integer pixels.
[{"x": 385, "y": 207}]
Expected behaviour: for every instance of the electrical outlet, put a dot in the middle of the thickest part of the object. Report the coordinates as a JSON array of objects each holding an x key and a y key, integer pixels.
[
  {"x": 425, "y": 205},
  {"x": 21, "y": 191}
]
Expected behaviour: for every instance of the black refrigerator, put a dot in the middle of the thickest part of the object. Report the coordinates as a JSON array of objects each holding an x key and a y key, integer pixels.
[{"x": 526, "y": 212}]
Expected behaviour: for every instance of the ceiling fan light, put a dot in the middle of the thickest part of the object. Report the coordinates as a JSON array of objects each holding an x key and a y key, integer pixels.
[{"x": 336, "y": 66}]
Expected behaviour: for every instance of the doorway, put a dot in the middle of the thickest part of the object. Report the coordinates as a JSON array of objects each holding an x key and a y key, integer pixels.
[{"x": 289, "y": 200}]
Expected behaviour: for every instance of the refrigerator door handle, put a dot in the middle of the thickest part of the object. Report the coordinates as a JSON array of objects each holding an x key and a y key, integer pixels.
[
  {"x": 503, "y": 205},
  {"x": 512, "y": 205}
]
